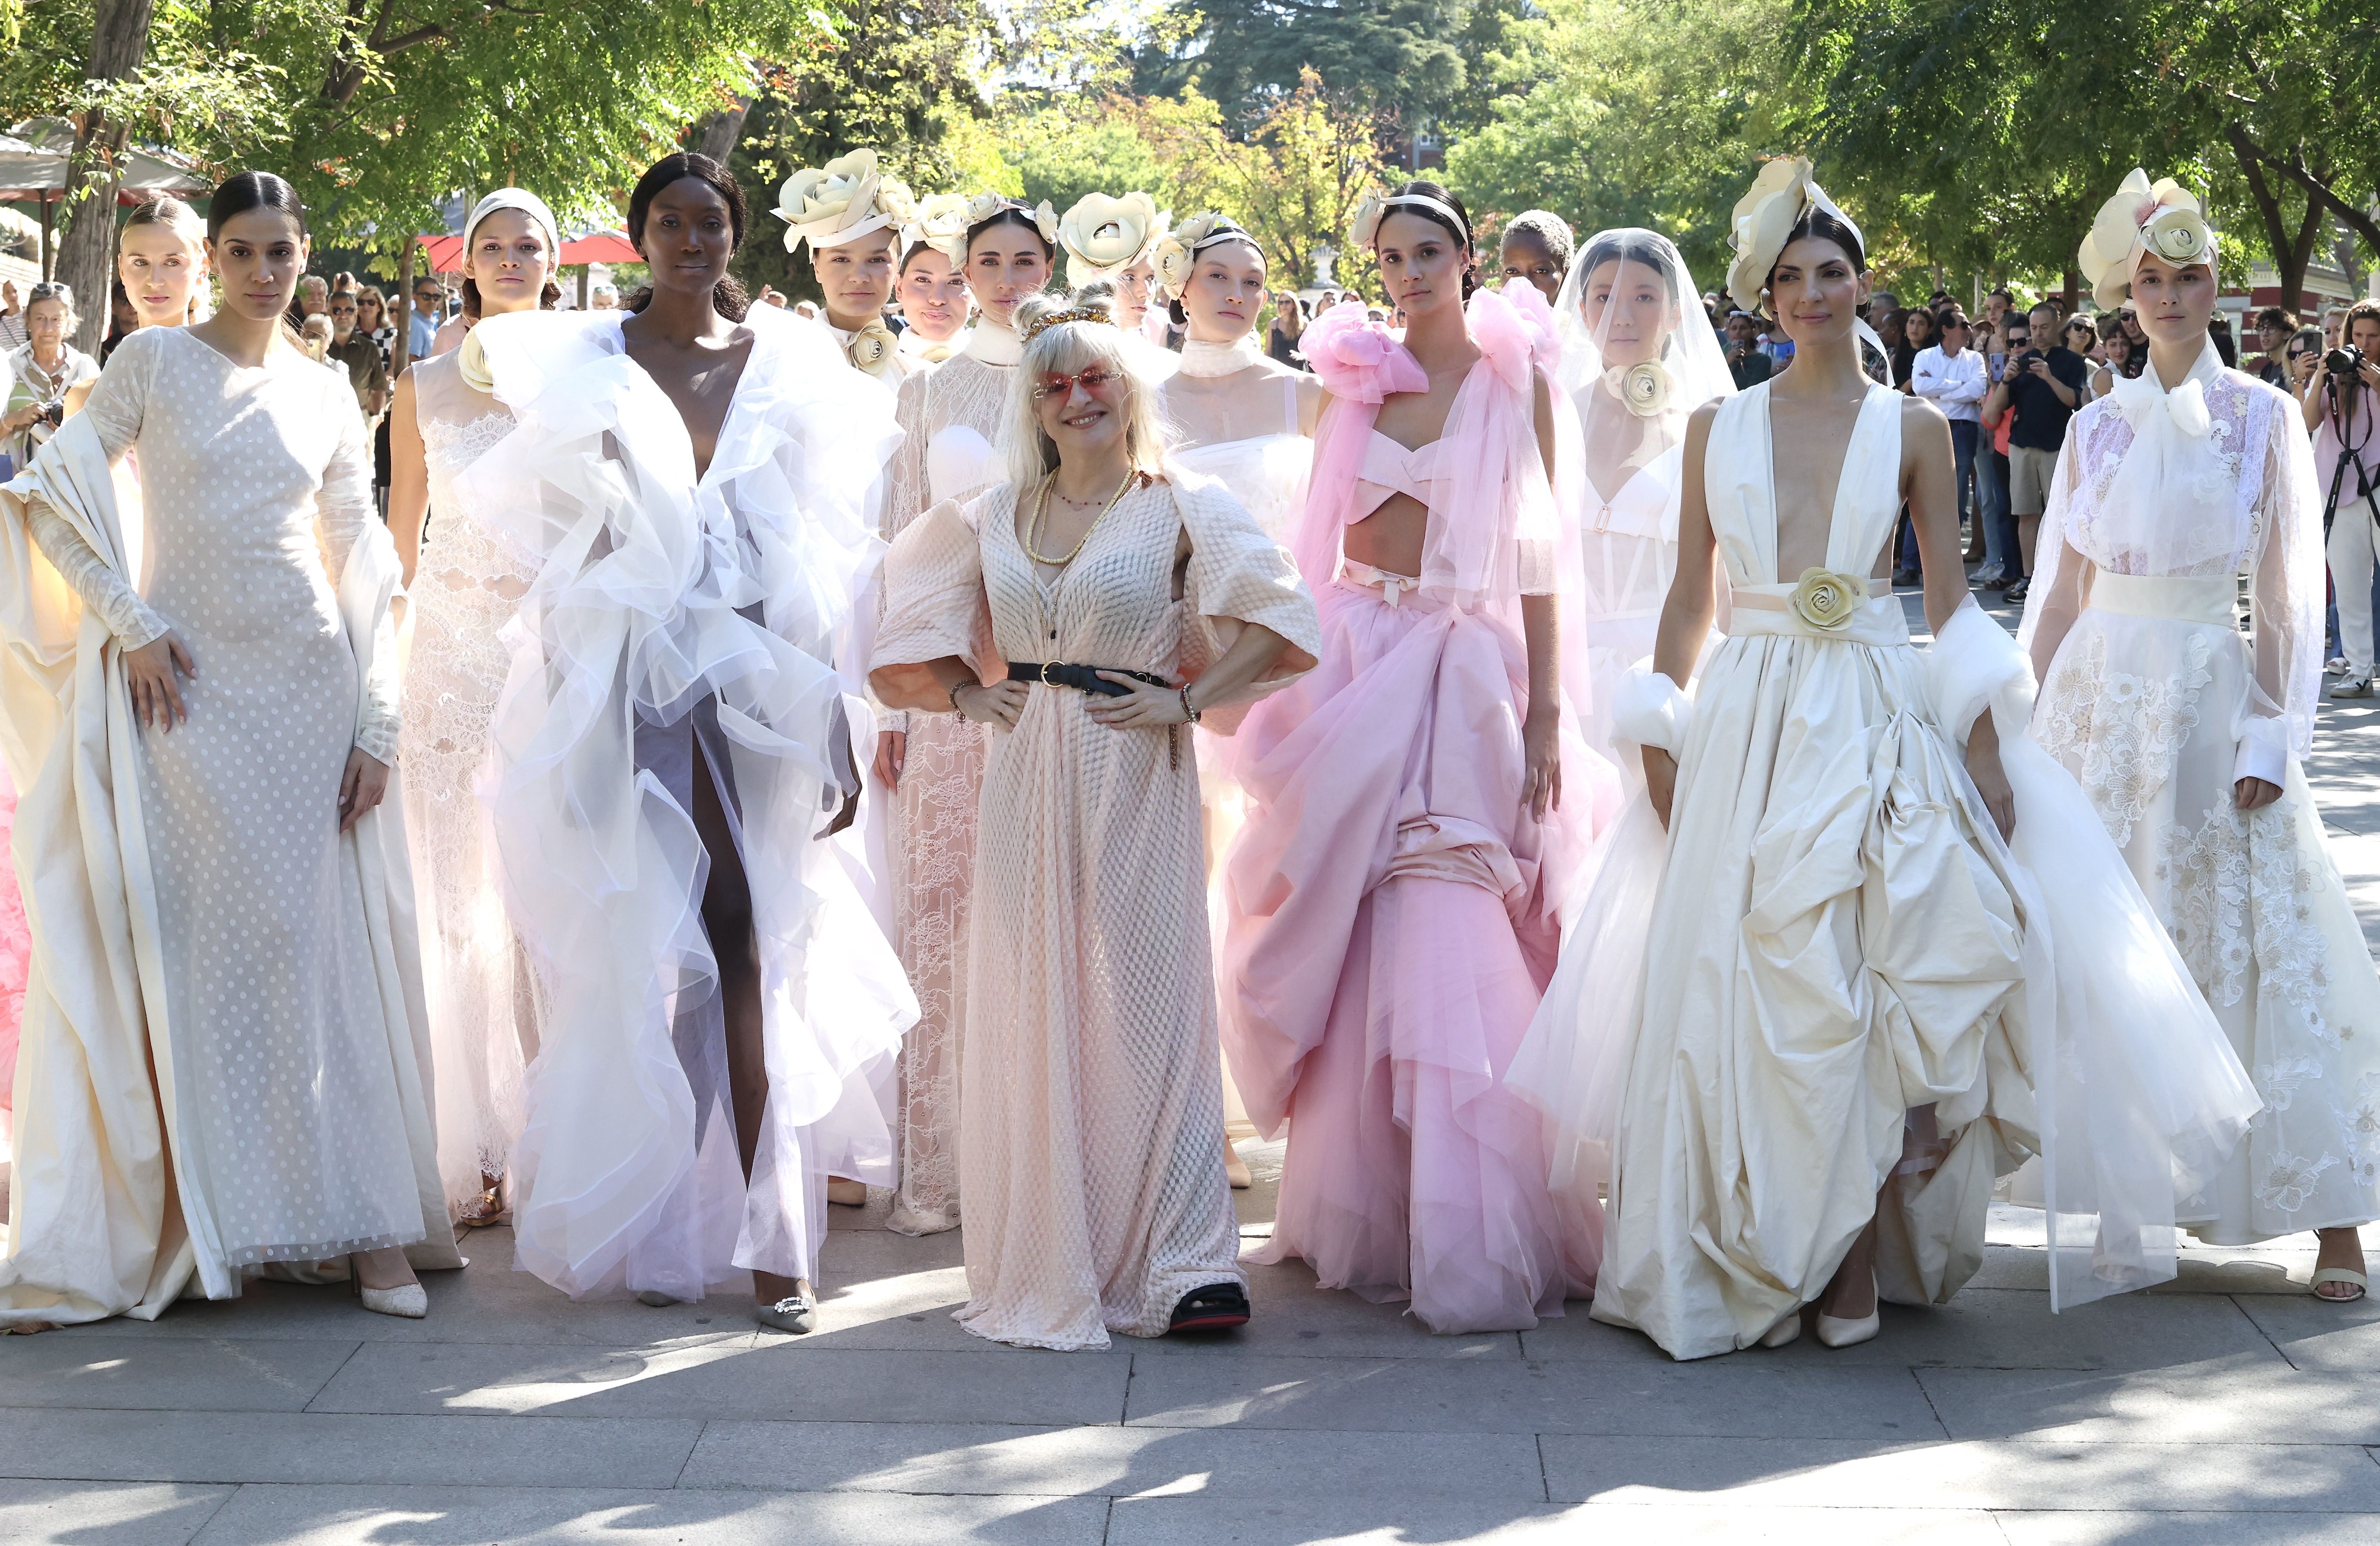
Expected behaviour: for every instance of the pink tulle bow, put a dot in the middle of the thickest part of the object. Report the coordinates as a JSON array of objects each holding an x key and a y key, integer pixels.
[
  {"x": 1515, "y": 330},
  {"x": 1359, "y": 359}
]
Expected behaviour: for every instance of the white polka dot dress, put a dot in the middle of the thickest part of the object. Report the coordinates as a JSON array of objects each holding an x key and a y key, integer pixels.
[{"x": 255, "y": 482}]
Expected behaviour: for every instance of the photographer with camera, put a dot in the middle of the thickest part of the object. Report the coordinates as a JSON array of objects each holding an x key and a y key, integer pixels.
[
  {"x": 2337, "y": 401},
  {"x": 2043, "y": 381},
  {"x": 42, "y": 368}
]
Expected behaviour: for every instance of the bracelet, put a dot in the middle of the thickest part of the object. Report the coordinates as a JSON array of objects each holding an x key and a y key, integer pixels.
[
  {"x": 954, "y": 696},
  {"x": 1189, "y": 710}
]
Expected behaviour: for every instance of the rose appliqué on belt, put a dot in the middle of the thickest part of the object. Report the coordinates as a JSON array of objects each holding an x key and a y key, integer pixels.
[{"x": 1826, "y": 601}]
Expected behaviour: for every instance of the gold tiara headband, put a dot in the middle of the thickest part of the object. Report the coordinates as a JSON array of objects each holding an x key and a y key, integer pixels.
[{"x": 1059, "y": 318}]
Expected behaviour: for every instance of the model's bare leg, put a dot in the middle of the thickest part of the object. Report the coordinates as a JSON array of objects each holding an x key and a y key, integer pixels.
[{"x": 727, "y": 919}]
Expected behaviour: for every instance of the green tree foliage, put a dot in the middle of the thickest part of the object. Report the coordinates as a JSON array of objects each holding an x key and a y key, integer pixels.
[
  {"x": 1648, "y": 113},
  {"x": 1292, "y": 182},
  {"x": 1412, "y": 65}
]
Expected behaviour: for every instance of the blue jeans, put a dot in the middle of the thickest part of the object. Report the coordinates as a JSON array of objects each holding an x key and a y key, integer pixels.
[
  {"x": 1962, "y": 450},
  {"x": 2000, "y": 526}
]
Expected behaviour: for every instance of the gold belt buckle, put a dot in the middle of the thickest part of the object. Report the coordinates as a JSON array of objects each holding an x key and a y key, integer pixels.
[{"x": 1046, "y": 667}]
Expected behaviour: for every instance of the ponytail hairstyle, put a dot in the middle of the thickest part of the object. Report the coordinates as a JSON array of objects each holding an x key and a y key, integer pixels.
[
  {"x": 243, "y": 191},
  {"x": 164, "y": 209},
  {"x": 1012, "y": 212},
  {"x": 1824, "y": 226},
  {"x": 1459, "y": 227},
  {"x": 728, "y": 297}
]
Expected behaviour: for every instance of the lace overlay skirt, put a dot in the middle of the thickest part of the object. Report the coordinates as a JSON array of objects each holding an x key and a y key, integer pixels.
[
  {"x": 2145, "y": 712},
  {"x": 932, "y": 847},
  {"x": 483, "y": 998}
]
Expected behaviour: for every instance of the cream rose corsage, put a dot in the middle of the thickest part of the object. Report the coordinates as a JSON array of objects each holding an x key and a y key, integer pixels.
[
  {"x": 1643, "y": 388},
  {"x": 1176, "y": 253},
  {"x": 1826, "y": 601}
]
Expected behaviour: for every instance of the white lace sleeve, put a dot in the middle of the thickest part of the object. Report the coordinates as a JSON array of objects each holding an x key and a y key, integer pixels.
[
  {"x": 115, "y": 409},
  {"x": 2059, "y": 587},
  {"x": 2289, "y": 584},
  {"x": 345, "y": 506}
]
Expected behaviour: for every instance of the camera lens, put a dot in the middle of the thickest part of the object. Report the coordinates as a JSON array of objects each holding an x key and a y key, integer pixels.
[{"x": 2343, "y": 361}]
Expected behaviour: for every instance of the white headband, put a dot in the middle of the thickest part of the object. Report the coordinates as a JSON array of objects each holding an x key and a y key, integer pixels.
[
  {"x": 519, "y": 198},
  {"x": 1365, "y": 228}
]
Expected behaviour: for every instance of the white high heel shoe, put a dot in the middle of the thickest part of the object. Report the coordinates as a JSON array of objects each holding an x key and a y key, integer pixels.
[
  {"x": 407, "y": 1302},
  {"x": 1837, "y": 1332},
  {"x": 1784, "y": 1333}
]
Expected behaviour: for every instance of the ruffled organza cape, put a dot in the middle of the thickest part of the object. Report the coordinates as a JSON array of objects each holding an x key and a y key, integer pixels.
[{"x": 734, "y": 597}]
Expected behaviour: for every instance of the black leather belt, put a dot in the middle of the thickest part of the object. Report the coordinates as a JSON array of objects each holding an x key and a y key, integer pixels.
[
  {"x": 1086, "y": 678},
  {"x": 1082, "y": 678}
]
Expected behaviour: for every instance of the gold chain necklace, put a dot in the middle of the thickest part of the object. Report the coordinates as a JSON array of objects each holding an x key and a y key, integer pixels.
[{"x": 1041, "y": 516}]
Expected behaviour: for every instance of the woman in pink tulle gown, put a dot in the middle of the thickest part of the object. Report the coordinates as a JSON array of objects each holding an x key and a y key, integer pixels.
[{"x": 1393, "y": 906}]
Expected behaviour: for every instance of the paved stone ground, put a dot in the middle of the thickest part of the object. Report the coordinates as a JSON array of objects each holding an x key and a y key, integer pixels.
[{"x": 2228, "y": 1409}]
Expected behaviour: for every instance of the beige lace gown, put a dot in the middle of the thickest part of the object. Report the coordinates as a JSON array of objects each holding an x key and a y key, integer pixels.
[
  {"x": 466, "y": 588},
  {"x": 950, "y": 419},
  {"x": 1092, "y": 1143}
]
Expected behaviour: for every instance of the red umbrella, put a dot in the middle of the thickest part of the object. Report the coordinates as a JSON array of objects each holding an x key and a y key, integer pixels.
[
  {"x": 600, "y": 247},
  {"x": 597, "y": 247},
  {"x": 445, "y": 254}
]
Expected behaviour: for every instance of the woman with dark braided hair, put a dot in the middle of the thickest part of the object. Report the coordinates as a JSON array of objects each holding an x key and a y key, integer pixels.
[{"x": 694, "y": 475}]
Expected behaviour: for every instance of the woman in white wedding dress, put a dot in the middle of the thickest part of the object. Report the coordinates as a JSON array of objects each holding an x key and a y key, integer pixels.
[
  {"x": 2189, "y": 739},
  {"x": 463, "y": 587},
  {"x": 222, "y": 1063},
  {"x": 1859, "y": 1006},
  {"x": 953, "y": 418},
  {"x": 1637, "y": 360},
  {"x": 1247, "y": 422},
  {"x": 694, "y": 473}
]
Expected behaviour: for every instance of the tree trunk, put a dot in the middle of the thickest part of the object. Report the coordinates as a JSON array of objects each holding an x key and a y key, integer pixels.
[
  {"x": 119, "y": 39},
  {"x": 718, "y": 135},
  {"x": 401, "y": 346}
]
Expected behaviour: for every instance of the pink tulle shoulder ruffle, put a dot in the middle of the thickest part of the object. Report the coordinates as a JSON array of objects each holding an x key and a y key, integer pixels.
[
  {"x": 1359, "y": 359},
  {"x": 1514, "y": 329}
]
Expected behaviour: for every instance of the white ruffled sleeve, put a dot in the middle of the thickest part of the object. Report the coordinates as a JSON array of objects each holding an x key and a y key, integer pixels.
[
  {"x": 934, "y": 608},
  {"x": 1239, "y": 576}
]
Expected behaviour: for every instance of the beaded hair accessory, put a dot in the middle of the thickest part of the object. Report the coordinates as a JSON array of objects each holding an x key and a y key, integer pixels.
[{"x": 1059, "y": 318}]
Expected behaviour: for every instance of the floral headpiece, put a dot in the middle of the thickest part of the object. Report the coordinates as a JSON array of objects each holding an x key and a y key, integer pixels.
[
  {"x": 2166, "y": 219},
  {"x": 1177, "y": 252},
  {"x": 838, "y": 204},
  {"x": 1103, "y": 236},
  {"x": 940, "y": 221},
  {"x": 983, "y": 206},
  {"x": 1765, "y": 216},
  {"x": 1363, "y": 229},
  {"x": 1059, "y": 318}
]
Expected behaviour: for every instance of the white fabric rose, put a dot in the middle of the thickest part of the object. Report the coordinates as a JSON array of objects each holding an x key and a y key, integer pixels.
[
  {"x": 940, "y": 220},
  {"x": 845, "y": 200},
  {"x": 1782, "y": 194},
  {"x": 1105, "y": 235},
  {"x": 1176, "y": 253},
  {"x": 2164, "y": 218}
]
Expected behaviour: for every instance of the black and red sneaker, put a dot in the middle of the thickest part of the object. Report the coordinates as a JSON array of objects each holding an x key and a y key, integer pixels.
[{"x": 1219, "y": 1307}]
